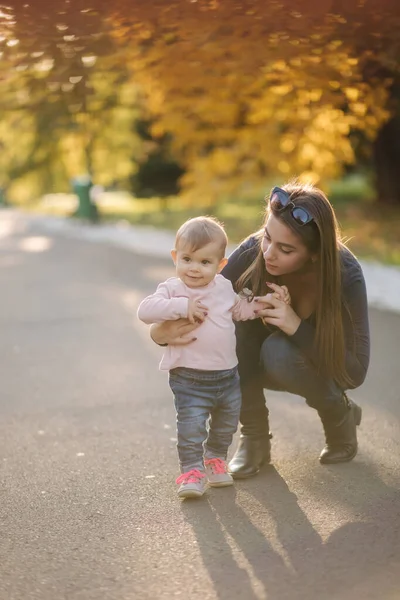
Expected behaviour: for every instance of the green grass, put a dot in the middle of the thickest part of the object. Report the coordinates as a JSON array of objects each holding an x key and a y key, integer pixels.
[{"x": 371, "y": 231}]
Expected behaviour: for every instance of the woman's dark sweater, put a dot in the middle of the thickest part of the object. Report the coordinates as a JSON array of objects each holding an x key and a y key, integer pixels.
[{"x": 356, "y": 326}]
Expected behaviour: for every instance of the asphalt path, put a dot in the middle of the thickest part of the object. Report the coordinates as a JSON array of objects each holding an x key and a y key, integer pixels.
[{"x": 88, "y": 506}]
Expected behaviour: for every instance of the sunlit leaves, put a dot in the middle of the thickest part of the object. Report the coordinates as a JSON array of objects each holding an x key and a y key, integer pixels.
[
  {"x": 67, "y": 77},
  {"x": 252, "y": 91},
  {"x": 245, "y": 87}
]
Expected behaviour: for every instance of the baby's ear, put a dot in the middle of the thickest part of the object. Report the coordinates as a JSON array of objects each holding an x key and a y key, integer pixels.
[
  {"x": 222, "y": 264},
  {"x": 173, "y": 254}
]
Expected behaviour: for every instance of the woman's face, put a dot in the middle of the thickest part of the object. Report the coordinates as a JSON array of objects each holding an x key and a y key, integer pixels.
[{"x": 284, "y": 252}]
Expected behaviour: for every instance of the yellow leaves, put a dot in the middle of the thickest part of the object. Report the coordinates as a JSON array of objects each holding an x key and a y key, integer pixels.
[
  {"x": 308, "y": 152},
  {"x": 327, "y": 118},
  {"x": 170, "y": 38},
  {"x": 369, "y": 112},
  {"x": 156, "y": 98},
  {"x": 359, "y": 108},
  {"x": 314, "y": 59},
  {"x": 223, "y": 162},
  {"x": 72, "y": 149},
  {"x": 352, "y": 93},
  {"x": 145, "y": 33},
  {"x": 284, "y": 166},
  {"x": 261, "y": 113},
  {"x": 281, "y": 90},
  {"x": 309, "y": 177},
  {"x": 279, "y": 65},
  {"x": 287, "y": 144},
  {"x": 306, "y": 96},
  {"x": 239, "y": 104},
  {"x": 315, "y": 95},
  {"x": 242, "y": 88},
  {"x": 157, "y": 129},
  {"x": 303, "y": 113}
]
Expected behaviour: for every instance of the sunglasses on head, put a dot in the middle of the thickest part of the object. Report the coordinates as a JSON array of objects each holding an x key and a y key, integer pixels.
[{"x": 280, "y": 201}]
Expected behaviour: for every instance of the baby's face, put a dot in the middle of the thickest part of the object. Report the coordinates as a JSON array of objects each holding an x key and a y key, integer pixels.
[{"x": 197, "y": 268}]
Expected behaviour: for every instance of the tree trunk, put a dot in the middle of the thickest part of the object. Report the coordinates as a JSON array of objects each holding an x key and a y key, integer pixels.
[{"x": 387, "y": 163}]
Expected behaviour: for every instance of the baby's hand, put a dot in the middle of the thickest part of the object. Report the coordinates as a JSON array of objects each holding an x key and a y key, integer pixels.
[
  {"x": 197, "y": 312},
  {"x": 280, "y": 292}
]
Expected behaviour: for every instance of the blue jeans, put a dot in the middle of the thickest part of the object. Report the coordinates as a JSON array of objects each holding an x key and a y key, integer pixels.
[
  {"x": 207, "y": 407},
  {"x": 276, "y": 363},
  {"x": 287, "y": 369}
]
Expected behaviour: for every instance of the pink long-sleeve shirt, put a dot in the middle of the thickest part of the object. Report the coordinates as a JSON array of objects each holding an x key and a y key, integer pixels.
[{"x": 215, "y": 346}]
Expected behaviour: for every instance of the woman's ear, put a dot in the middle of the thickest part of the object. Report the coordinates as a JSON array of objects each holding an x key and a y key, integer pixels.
[
  {"x": 222, "y": 264},
  {"x": 173, "y": 254}
]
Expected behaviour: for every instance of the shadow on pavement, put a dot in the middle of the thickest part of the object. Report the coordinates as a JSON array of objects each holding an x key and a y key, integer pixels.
[
  {"x": 213, "y": 521},
  {"x": 355, "y": 561}
]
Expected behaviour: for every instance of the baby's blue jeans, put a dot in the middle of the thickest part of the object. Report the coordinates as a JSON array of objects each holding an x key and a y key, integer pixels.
[{"x": 207, "y": 407}]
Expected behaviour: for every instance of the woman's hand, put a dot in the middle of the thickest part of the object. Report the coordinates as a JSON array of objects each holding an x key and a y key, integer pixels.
[
  {"x": 280, "y": 292},
  {"x": 176, "y": 333},
  {"x": 278, "y": 313}
]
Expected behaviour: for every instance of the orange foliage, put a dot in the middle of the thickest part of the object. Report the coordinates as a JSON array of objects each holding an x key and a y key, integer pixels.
[{"x": 251, "y": 87}]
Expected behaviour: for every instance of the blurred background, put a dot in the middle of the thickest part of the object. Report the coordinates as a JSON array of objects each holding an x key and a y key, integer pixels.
[
  {"x": 154, "y": 111},
  {"x": 147, "y": 112}
]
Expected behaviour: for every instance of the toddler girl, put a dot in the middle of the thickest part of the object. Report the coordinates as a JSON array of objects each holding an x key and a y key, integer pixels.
[{"x": 203, "y": 375}]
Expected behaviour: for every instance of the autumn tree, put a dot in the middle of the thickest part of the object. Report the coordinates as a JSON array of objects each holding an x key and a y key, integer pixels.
[
  {"x": 248, "y": 88},
  {"x": 67, "y": 102}
]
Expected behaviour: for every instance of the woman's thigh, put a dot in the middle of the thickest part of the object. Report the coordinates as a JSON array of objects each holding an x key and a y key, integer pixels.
[{"x": 285, "y": 368}]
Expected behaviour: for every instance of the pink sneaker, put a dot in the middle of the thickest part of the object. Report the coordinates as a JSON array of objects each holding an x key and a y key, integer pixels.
[
  {"x": 192, "y": 484},
  {"x": 217, "y": 472}
]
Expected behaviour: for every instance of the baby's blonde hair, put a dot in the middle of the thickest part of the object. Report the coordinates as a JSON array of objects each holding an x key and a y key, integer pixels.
[{"x": 200, "y": 231}]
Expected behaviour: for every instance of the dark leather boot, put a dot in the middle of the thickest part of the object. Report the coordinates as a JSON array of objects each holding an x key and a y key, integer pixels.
[
  {"x": 252, "y": 453},
  {"x": 340, "y": 429}
]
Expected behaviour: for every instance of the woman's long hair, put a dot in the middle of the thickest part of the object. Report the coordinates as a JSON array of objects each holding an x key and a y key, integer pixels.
[{"x": 322, "y": 238}]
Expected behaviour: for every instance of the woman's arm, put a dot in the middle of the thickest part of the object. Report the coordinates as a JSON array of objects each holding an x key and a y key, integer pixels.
[{"x": 176, "y": 333}]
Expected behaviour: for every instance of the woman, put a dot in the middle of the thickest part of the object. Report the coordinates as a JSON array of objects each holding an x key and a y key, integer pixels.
[{"x": 318, "y": 347}]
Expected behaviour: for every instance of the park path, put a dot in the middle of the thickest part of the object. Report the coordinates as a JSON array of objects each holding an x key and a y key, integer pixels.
[{"x": 87, "y": 455}]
